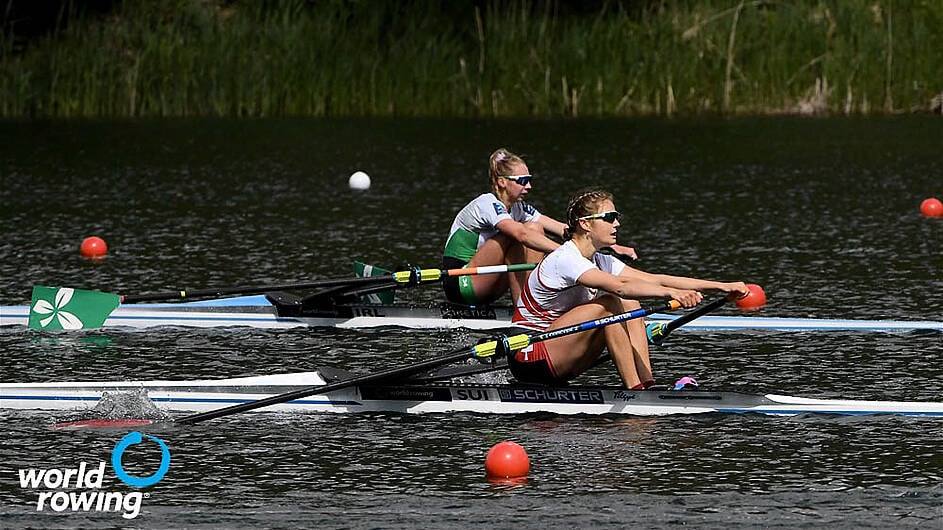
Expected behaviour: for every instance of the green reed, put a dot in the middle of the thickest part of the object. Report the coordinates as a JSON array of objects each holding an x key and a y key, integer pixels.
[{"x": 425, "y": 58}]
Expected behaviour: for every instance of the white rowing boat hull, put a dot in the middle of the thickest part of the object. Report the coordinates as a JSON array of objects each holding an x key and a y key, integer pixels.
[
  {"x": 206, "y": 395},
  {"x": 258, "y": 312}
]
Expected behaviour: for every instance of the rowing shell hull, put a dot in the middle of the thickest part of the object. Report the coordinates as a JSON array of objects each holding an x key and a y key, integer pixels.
[
  {"x": 206, "y": 395},
  {"x": 258, "y": 312}
]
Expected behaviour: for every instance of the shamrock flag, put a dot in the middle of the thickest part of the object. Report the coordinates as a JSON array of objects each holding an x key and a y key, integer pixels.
[{"x": 66, "y": 308}]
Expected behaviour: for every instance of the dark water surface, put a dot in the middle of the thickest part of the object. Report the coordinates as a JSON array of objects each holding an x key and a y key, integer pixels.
[{"x": 822, "y": 213}]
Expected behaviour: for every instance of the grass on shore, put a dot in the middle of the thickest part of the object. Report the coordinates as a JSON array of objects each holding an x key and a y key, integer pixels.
[{"x": 424, "y": 58}]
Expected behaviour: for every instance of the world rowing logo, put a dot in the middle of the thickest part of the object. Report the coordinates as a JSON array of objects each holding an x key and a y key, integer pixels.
[
  {"x": 139, "y": 482},
  {"x": 79, "y": 489}
]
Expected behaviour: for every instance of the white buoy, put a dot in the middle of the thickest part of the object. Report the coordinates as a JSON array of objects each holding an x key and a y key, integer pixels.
[{"x": 359, "y": 181}]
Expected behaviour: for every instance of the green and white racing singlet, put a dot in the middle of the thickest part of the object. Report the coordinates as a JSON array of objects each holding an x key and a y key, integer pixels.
[{"x": 477, "y": 222}]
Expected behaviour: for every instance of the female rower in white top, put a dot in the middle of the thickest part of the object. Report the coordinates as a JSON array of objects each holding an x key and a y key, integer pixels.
[
  {"x": 499, "y": 228},
  {"x": 575, "y": 283}
]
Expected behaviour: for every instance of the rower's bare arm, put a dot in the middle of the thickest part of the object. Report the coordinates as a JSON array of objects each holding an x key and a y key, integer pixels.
[
  {"x": 683, "y": 282},
  {"x": 633, "y": 287},
  {"x": 531, "y": 236},
  {"x": 628, "y": 251},
  {"x": 551, "y": 225}
]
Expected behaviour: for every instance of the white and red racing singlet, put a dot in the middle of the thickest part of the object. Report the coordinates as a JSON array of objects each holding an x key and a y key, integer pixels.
[{"x": 552, "y": 288}]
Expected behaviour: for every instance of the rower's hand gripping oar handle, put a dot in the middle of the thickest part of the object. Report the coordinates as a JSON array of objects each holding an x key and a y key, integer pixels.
[{"x": 658, "y": 331}]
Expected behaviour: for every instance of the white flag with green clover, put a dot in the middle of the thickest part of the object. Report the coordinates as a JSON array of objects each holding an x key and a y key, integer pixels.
[{"x": 65, "y": 308}]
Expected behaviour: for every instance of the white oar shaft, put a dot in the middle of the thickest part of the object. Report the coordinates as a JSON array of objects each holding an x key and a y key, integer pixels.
[{"x": 431, "y": 275}]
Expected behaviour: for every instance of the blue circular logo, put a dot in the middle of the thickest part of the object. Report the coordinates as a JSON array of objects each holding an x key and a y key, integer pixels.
[{"x": 139, "y": 482}]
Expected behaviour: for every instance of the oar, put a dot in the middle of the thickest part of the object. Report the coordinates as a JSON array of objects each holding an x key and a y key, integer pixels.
[
  {"x": 661, "y": 331},
  {"x": 485, "y": 349},
  {"x": 413, "y": 277},
  {"x": 658, "y": 331},
  {"x": 54, "y": 308}
]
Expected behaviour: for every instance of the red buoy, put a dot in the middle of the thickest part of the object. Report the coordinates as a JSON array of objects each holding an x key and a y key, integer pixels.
[
  {"x": 932, "y": 207},
  {"x": 94, "y": 247},
  {"x": 507, "y": 459},
  {"x": 754, "y": 300}
]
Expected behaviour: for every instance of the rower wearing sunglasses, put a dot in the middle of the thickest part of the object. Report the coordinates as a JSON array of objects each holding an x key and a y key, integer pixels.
[
  {"x": 499, "y": 228},
  {"x": 576, "y": 283}
]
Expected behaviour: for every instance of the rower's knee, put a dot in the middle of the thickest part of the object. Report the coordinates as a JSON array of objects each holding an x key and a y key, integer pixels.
[
  {"x": 612, "y": 303},
  {"x": 630, "y": 305}
]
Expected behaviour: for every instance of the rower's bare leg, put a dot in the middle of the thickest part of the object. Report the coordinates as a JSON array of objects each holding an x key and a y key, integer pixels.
[
  {"x": 639, "y": 339},
  {"x": 490, "y": 287},
  {"x": 573, "y": 354},
  {"x": 621, "y": 344}
]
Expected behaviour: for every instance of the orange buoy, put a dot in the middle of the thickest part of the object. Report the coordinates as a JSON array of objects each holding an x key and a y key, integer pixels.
[
  {"x": 94, "y": 247},
  {"x": 507, "y": 459},
  {"x": 754, "y": 300},
  {"x": 932, "y": 207}
]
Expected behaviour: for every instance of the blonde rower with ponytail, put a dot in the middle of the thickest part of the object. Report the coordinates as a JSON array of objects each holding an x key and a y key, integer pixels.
[{"x": 499, "y": 228}]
